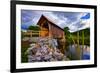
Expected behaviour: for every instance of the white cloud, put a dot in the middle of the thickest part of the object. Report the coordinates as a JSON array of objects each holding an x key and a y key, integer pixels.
[
  {"x": 84, "y": 23},
  {"x": 59, "y": 20},
  {"x": 62, "y": 19}
]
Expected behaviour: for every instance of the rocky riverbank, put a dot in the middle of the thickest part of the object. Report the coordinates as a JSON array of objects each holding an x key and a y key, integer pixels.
[{"x": 44, "y": 50}]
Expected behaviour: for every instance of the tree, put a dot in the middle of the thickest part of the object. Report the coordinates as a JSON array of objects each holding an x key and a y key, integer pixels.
[
  {"x": 35, "y": 28},
  {"x": 67, "y": 35},
  {"x": 66, "y": 30}
]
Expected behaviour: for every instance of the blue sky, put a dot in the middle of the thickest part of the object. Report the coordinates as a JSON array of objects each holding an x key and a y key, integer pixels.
[{"x": 74, "y": 20}]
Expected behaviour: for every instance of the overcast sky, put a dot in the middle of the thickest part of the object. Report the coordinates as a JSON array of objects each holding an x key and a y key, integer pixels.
[{"x": 74, "y": 20}]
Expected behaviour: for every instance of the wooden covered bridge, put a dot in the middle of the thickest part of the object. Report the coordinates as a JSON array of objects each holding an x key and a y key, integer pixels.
[{"x": 47, "y": 29}]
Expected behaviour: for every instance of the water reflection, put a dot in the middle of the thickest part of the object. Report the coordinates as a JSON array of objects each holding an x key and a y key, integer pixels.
[{"x": 72, "y": 52}]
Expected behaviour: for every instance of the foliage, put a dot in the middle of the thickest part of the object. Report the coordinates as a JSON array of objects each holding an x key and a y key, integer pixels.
[
  {"x": 72, "y": 37},
  {"x": 35, "y": 28},
  {"x": 86, "y": 36},
  {"x": 24, "y": 56},
  {"x": 67, "y": 35}
]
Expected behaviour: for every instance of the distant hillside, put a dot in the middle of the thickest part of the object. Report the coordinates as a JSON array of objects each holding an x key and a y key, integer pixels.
[
  {"x": 86, "y": 32},
  {"x": 72, "y": 38}
]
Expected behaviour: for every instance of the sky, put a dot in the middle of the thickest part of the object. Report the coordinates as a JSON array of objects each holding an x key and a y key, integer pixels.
[{"x": 74, "y": 20}]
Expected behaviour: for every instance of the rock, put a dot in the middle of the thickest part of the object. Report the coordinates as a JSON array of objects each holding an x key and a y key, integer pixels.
[{"x": 42, "y": 52}]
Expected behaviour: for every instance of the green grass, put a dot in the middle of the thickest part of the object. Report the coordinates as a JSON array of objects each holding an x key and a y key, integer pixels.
[{"x": 24, "y": 56}]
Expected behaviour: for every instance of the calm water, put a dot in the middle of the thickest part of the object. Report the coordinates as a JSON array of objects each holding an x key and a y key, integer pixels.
[{"x": 84, "y": 53}]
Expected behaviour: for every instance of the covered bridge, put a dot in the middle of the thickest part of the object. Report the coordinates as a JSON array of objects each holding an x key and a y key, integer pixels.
[{"x": 49, "y": 28}]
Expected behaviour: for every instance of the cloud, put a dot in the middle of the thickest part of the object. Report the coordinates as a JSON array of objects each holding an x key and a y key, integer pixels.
[
  {"x": 62, "y": 19},
  {"x": 56, "y": 18},
  {"x": 79, "y": 24}
]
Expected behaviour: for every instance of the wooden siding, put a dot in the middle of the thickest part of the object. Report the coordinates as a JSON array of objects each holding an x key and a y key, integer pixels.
[{"x": 52, "y": 30}]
